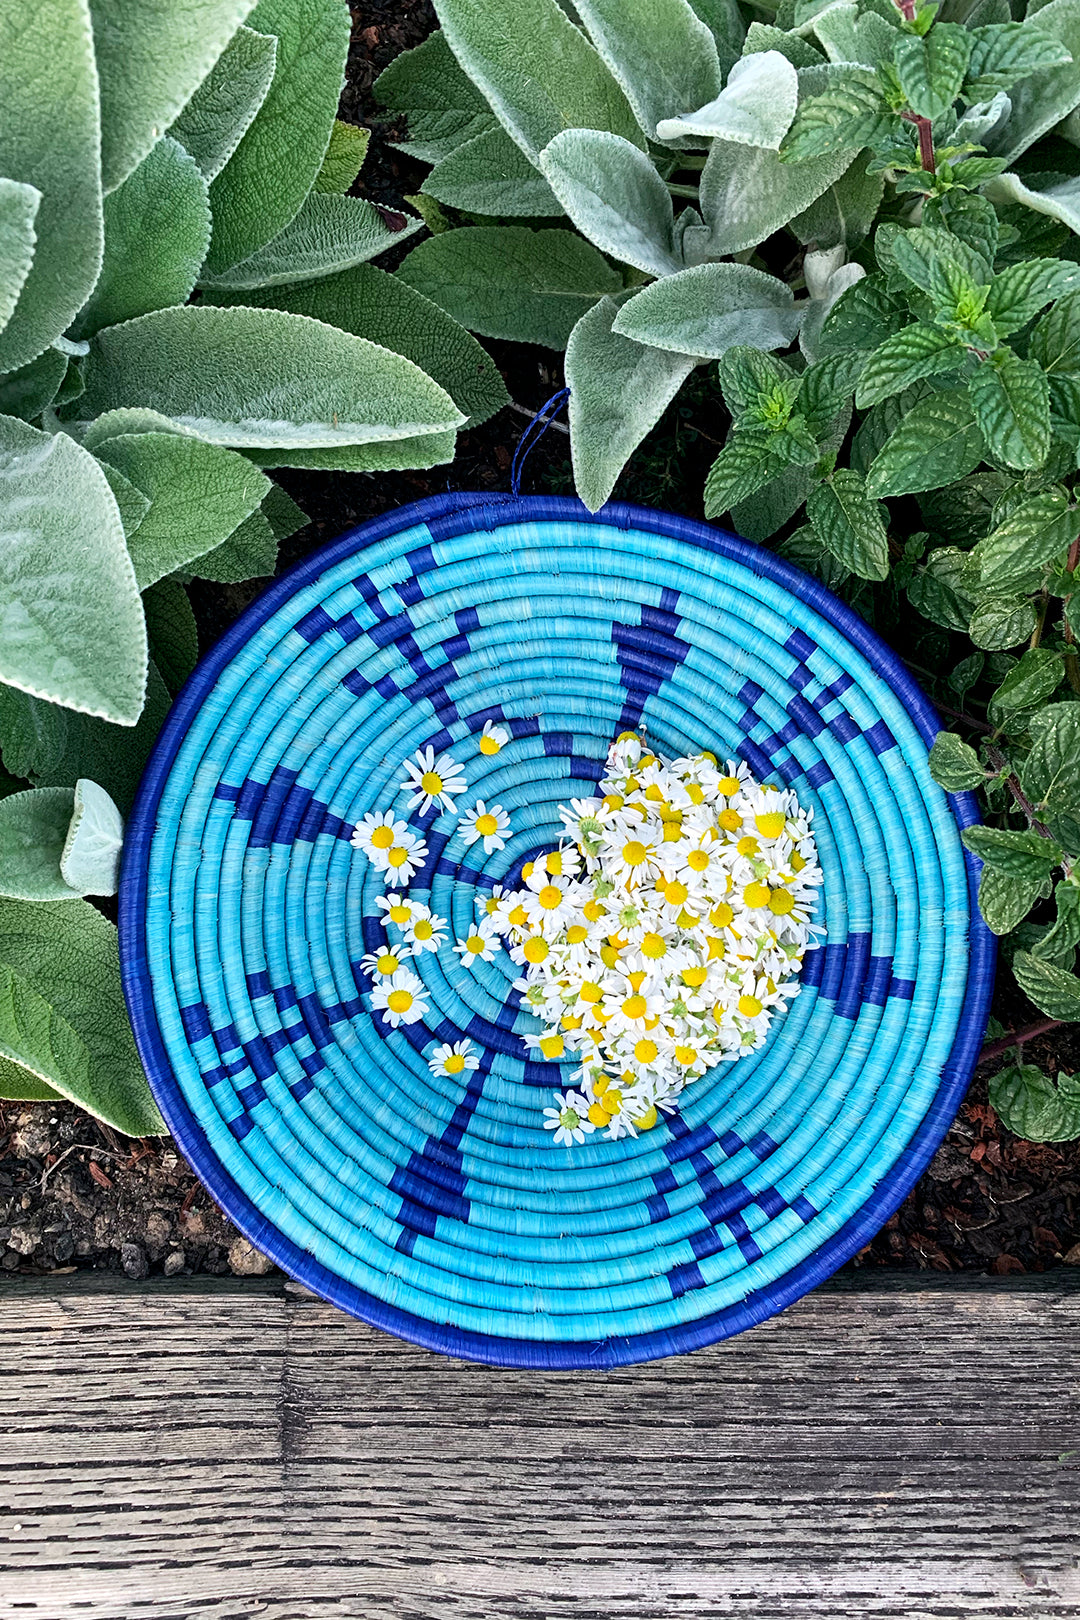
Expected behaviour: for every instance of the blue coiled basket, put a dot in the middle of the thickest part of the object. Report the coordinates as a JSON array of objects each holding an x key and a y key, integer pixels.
[{"x": 439, "y": 1209}]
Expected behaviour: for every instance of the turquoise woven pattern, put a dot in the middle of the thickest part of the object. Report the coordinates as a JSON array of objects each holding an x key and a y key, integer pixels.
[{"x": 441, "y": 1200}]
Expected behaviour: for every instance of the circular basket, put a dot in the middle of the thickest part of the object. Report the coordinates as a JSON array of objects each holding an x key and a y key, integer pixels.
[{"x": 438, "y": 1208}]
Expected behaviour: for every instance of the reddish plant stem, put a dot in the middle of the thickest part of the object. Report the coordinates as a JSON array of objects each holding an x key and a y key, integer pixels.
[
  {"x": 998, "y": 762},
  {"x": 995, "y": 1049},
  {"x": 1072, "y": 662},
  {"x": 926, "y": 135}
]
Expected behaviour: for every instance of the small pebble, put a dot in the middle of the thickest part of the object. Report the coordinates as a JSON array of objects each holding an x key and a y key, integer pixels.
[
  {"x": 246, "y": 1261},
  {"x": 134, "y": 1261},
  {"x": 174, "y": 1262}
]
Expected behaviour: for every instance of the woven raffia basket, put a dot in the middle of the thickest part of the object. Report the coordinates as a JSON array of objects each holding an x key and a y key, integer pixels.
[{"x": 438, "y": 1208}]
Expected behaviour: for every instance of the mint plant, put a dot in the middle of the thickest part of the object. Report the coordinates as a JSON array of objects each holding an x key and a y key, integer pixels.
[
  {"x": 865, "y": 212},
  {"x": 187, "y": 300}
]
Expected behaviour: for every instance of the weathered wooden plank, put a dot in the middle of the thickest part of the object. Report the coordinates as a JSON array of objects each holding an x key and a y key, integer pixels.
[{"x": 890, "y": 1453}]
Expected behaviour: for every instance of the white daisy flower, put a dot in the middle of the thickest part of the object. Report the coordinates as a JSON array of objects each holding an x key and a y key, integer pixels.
[
  {"x": 478, "y": 944},
  {"x": 569, "y": 1118},
  {"x": 377, "y": 833},
  {"x": 451, "y": 1059},
  {"x": 396, "y": 908},
  {"x": 403, "y": 860},
  {"x": 401, "y": 999},
  {"x": 425, "y": 930},
  {"x": 493, "y": 737},
  {"x": 491, "y": 825},
  {"x": 384, "y": 963},
  {"x": 437, "y": 781}
]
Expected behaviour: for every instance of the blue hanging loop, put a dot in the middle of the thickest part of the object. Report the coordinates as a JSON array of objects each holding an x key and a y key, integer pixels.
[{"x": 533, "y": 434}]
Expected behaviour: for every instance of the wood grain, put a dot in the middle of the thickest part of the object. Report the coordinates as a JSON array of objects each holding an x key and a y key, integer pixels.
[{"x": 205, "y": 1453}]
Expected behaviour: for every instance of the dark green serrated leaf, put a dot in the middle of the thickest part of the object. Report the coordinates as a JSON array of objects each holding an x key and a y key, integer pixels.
[
  {"x": 916, "y": 352},
  {"x": 862, "y": 318},
  {"x": 1014, "y": 556},
  {"x": 1028, "y": 1103},
  {"x": 827, "y": 386},
  {"x": 937, "y": 590},
  {"x": 1059, "y": 941},
  {"x": 850, "y": 524},
  {"x": 1019, "y": 854},
  {"x": 1002, "y": 53},
  {"x": 746, "y": 375},
  {"x": 1031, "y": 681},
  {"x": 1054, "y": 991},
  {"x": 1005, "y": 901},
  {"x": 851, "y": 113},
  {"x": 1002, "y": 621},
  {"x": 1055, "y": 341},
  {"x": 171, "y": 631},
  {"x": 1019, "y": 292},
  {"x": 1011, "y": 402},
  {"x": 938, "y": 263},
  {"x": 1050, "y": 776},
  {"x": 931, "y": 70},
  {"x": 937, "y": 442},
  {"x": 954, "y": 765},
  {"x": 968, "y": 216},
  {"x": 746, "y": 464}
]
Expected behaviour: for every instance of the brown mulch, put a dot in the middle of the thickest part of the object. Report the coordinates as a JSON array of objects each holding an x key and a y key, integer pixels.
[{"x": 75, "y": 1195}]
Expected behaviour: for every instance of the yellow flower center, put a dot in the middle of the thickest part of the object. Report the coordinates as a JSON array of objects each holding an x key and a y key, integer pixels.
[
  {"x": 695, "y": 793},
  {"x": 599, "y": 1116},
  {"x": 676, "y": 893},
  {"x": 728, "y": 785},
  {"x": 536, "y": 950},
  {"x": 647, "y": 1120},
  {"x": 686, "y": 1055},
  {"x": 697, "y": 860},
  {"x": 592, "y": 910},
  {"x": 653, "y": 793},
  {"x": 423, "y": 929},
  {"x": 552, "y": 1046},
  {"x": 748, "y": 846},
  {"x": 730, "y": 820},
  {"x": 475, "y": 944},
  {"x": 654, "y": 946},
  {"x": 756, "y": 895},
  {"x": 382, "y": 837},
  {"x": 489, "y": 745},
  {"x": 400, "y": 914},
  {"x": 527, "y": 870},
  {"x": 635, "y": 1006},
  {"x": 600, "y": 1084},
  {"x": 771, "y": 824},
  {"x": 399, "y": 1001},
  {"x": 576, "y": 934},
  {"x": 454, "y": 1063},
  {"x": 721, "y": 916},
  {"x": 553, "y": 863},
  {"x": 781, "y": 902},
  {"x": 797, "y": 862},
  {"x": 431, "y": 782},
  {"x": 613, "y": 801},
  {"x": 749, "y": 1006},
  {"x": 388, "y": 964},
  {"x": 694, "y": 976},
  {"x": 519, "y": 917},
  {"x": 549, "y": 897},
  {"x": 716, "y": 948},
  {"x": 636, "y": 979},
  {"x": 486, "y": 825},
  {"x": 570, "y": 1022},
  {"x": 609, "y": 955},
  {"x": 645, "y": 1050},
  {"x": 672, "y": 832},
  {"x": 397, "y": 856},
  {"x": 590, "y": 992},
  {"x": 613, "y": 1100},
  {"x": 634, "y": 852}
]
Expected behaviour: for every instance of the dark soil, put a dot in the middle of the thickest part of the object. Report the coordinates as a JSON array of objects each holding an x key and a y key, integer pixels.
[{"x": 74, "y": 1195}]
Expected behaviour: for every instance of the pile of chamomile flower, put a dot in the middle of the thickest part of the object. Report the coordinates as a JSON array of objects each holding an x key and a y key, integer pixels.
[{"x": 655, "y": 942}]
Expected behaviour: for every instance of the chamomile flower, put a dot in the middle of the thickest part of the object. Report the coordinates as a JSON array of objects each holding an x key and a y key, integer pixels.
[
  {"x": 493, "y": 737},
  {"x": 401, "y": 999},
  {"x": 434, "y": 781},
  {"x": 453, "y": 1058},
  {"x": 385, "y": 963},
  {"x": 478, "y": 945},
  {"x": 490, "y": 824},
  {"x": 425, "y": 931},
  {"x": 569, "y": 1119},
  {"x": 403, "y": 860},
  {"x": 377, "y": 833},
  {"x": 396, "y": 908}
]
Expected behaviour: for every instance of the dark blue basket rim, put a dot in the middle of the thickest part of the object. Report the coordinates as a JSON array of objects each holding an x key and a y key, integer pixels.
[{"x": 492, "y": 511}]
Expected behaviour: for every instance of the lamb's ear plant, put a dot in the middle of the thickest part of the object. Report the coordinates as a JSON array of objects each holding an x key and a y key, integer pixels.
[
  {"x": 187, "y": 300},
  {"x": 867, "y": 214}
]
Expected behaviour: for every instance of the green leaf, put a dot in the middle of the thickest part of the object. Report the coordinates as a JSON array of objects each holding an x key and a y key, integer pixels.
[
  {"x": 67, "y": 955},
  {"x": 749, "y": 460},
  {"x": 1059, "y": 199},
  {"x": 150, "y": 59},
  {"x": 371, "y": 304},
  {"x": 851, "y": 113},
  {"x": 862, "y": 318},
  {"x": 850, "y": 524},
  {"x": 827, "y": 386},
  {"x": 250, "y": 552},
  {"x": 725, "y": 22},
  {"x": 344, "y": 157},
  {"x": 131, "y": 503},
  {"x": 198, "y": 494},
  {"x": 1002, "y": 53},
  {"x": 747, "y": 376},
  {"x": 537, "y": 71},
  {"x": 19, "y": 1085},
  {"x": 266, "y": 180},
  {"x": 937, "y": 590},
  {"x": 917, "y": 351},
  {"x": 329, "y": 234},
  {"x": 157, "y": 227},
  {"x": 844, "y": 213},
  {"x": 660, "y": 53},
  {"x": 931, "y": 70},
  {"x": 74, "y": 745},
  {"x": 1011, "y": 402},
  {"x": 1018, "y": 292},
  {"x": 1001, "y": 621},
  {"x": 50, "y": 139},
  {"x": 1013, "y": 557},
  {"x": 171, "y": 629},
  {"x": 444, "y": 107},
  {"x": 755, "y": 108},
  {"x": 937, "y": 262},
  {"x": 33, "y": 827},
  {"x": 71, "y": 634},
  {"x": 424, "y": 450},
  {"x": 1018, "y": 854},
  {"x": 262, "y": 378},
  {"x": 1030, "y": 681},
  {"x": 1050, "y": 776},
  {"x": 970, "y": 217},
  {"x": 864, "y": 40},
  {"x": 747, "y": 193},
  {"x": 954, "y": 765},
  {"x": 1005, "y": 901},
  {"x": 491, "y": 175},
  {"x": 614, "y": 196},
  {"x": 1029, "y": 1104},
  {"x": 216, "y": 118},
  {"x": 1059, "y": 941},
  {"x": 618, "y": 391},
  {"x": 282, "y": 513},
  {"x": 703, "y": 311},
  {"x": 18, "y": 210},
  {"x": 1044, "y": 98},
  {"x": 1055, "y": 341},
  {"x": 506, "y": 281},
  {"x": 90, "y": 860},
  {"x": 764, "y": 37},
  {"x": 937, "y": 442},
  {"x": 28, "y": 391},
  {"x": 36, "y": 1039},
  {"x": 1053, "y": 990}
]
